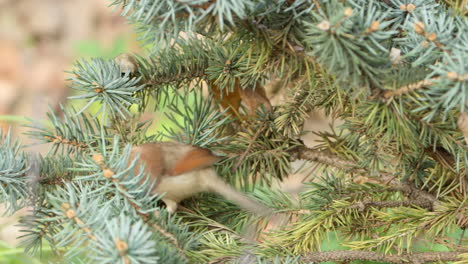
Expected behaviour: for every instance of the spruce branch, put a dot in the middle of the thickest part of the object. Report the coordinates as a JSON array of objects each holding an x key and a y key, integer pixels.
[
  {"x": 161, "y": 22},
  {"x": 198, "y": 118},
  {"x": 427, "y": 39},
  {"x": 181, "y": 64},
  {"x": 323, "y": 157},
  {"x": 419, "y": 258},
  {"x": 55, "y": 171},
  {"x": 385, "y": 178},
  {"x": 304, "y": 97},
  {"x": 70, "y": 213},
  {"x": 364, "y": 205},
  {"x": 73, "y": 133},
  {"x": 135, "y": 189},
  {"x": 125, "y": 183},
  {"x": 317, "y": 223},
  {"x": 131, "y": 239},
  {"x": 14, "y": 191},
  {"x": 77, "y": 211},
  {"x": 37, "y": 227},
  {"x": 102, "y": 81},
  {"x": 449, "y": 91},
  {"x": 94, "y": 190},
  {"x": 409, "y": 222},
  {"x": 408, "y": 88},
  {"x": 333, "y": 30},
  {"x": 269, "y": 154},
  {"x": 242, "y": 156}
]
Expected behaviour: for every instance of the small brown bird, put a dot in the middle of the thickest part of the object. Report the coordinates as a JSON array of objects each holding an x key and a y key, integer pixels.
[
  {"x": 182, "y": 170},
  {"x": 127, "y": 63}
]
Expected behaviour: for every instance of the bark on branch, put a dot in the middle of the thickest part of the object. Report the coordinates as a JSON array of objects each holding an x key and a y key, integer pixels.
[
  {"x": 362, "y": 206},
  {"x": 408, "y": 88},
  {"x": 385, "y": 178},
  {"x": 348, "y": 255}
]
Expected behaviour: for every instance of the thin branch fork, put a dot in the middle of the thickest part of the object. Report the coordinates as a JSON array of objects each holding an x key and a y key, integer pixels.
[
  {"x": 324, "y": 157},
  {"x": 242, "y": 157},
  {"x": 348, "y": 255},
  {"x": 386, "y": 178}
]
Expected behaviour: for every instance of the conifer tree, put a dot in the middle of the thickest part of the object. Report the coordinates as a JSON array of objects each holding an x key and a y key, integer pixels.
[{"x": 389, "y": 184}]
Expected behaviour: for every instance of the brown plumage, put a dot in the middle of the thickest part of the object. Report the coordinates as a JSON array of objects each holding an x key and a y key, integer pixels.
[{"x": 182, "y": 171}]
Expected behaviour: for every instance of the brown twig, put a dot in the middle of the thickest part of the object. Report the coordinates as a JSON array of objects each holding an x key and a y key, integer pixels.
[
  {"x": 58, "y": 139},
  {"x": 385, "y": 178},
  {"x": 52, "y": 181},
  {"x": 348, "y": 255},
  {"x": 364, "y": 205},
  {"x": 324, "y": 158},
  {"x": 184, "y": 76},
  {"x": 242, "y": 157},
  {"x": 408, "y": 88}
]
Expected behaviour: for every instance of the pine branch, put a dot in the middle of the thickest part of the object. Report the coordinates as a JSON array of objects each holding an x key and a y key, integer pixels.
[
  {"x": 418, "y": 258},
  {"x": 384, "y": 178},
  {"x": 408, "y": 88},
  {"x": 109, "y": 173},
  {"x": 364, "y": 205},
  {"x": 335, "y": 30},
  {"x": 198, "y": 119},
  {"x": 37, "y": 227},
  {"x": 106, "y": 82},
  {"x": 73, "y": 133},
  {"x": 75, "y": 210},
  {"x": 124, "y": 240},
  {"x": 14, "y": 191},
  {"x": 134, "y": 189},
  {"x": 55, "y": 171},
  {"x": 323, "y": 157},
  {"x": 181, "y": 64},
  {"x": 255, "y": 137},
  {"x": 70, "y": 213}
]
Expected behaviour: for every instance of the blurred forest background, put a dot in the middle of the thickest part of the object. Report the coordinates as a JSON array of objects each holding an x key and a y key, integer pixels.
[{"x": 39, "y": 41}]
